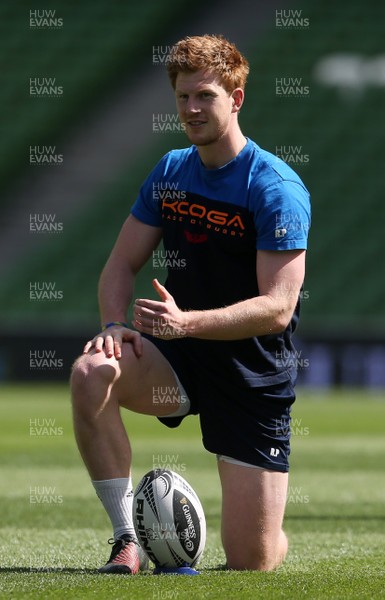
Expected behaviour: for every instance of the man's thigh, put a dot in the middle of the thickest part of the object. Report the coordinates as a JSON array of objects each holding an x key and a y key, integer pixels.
[
  {"x": 253, "y": 506},
  {"x": 146, "y": 385}
]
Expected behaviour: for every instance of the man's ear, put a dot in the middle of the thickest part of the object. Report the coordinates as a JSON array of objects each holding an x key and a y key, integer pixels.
[{"x": 238, "y": 97}]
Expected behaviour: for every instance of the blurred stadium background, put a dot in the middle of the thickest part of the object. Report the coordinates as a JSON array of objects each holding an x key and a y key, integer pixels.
[{"x": 86, "y": 112}]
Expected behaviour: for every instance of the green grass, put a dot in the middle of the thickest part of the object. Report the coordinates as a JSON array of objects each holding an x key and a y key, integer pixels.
[{"x": 335, "y": 513}]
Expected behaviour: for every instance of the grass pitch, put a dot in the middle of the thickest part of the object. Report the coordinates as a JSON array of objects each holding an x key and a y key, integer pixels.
[{"x": 54, "y": 530}]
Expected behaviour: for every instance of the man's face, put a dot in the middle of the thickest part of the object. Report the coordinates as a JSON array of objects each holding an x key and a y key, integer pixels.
[{"x": 204, "y": 106}]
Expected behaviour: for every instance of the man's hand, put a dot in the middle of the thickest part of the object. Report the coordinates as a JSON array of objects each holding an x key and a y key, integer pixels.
[
  {"x": 111, "y": 341},
  {"x": 162, "y": 319}
]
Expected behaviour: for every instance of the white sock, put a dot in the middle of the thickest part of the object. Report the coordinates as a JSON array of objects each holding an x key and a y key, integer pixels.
[{"x": 117, "y": 497}]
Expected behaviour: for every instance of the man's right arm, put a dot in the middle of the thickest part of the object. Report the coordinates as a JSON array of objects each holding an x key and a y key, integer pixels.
[{"x": 135, "y": 243}]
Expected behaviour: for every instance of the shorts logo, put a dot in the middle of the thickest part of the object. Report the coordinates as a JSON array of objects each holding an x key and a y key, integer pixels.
[{"x": 274, "y": 451}]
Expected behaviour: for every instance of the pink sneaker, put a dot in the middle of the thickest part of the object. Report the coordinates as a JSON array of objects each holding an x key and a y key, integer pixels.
[{"x": 127, "y": 557}]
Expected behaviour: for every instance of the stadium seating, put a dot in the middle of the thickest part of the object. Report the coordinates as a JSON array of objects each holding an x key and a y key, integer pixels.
[
  {"x": 88, "y": 53},
  {"x": 336, "y": 137},
  {"x": 340, "y": 133}
]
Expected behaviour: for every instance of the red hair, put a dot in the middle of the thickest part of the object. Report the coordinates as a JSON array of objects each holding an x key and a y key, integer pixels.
[{"x": 209, "y": 53}]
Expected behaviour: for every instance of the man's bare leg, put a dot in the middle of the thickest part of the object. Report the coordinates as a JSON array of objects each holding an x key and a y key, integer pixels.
[
  {"x": 100, "y": 387},
  {"x": 253, "y": 505}
]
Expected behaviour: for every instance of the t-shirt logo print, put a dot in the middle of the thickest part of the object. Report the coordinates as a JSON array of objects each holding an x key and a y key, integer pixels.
[
  {"x": 195, "y": 238},
  {"x": 203, "y": 214}
]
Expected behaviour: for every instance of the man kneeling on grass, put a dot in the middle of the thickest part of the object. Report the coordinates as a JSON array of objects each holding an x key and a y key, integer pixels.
[{"x": 221, "y": 326}]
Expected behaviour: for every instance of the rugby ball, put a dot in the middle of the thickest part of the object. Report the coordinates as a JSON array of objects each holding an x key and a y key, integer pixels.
[{"x": 169, "y": 520}]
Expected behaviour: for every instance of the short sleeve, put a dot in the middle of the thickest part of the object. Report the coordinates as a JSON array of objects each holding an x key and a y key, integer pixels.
[
  {"x": 148, "y": 205},
  {"x": 282, "y": 217}
]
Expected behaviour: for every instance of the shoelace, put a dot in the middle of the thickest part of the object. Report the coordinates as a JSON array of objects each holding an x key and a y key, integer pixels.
[{"x": 118, "y": 545}]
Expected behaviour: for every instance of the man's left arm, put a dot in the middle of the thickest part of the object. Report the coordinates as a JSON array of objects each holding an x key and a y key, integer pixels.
[{"x": 280, "y": 275}]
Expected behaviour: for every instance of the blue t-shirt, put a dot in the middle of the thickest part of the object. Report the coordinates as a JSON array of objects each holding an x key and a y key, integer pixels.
[{"x": 213, "y": 222}]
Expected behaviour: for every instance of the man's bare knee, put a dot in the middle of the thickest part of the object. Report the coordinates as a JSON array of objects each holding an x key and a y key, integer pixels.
[
  {"x": 258, "y": 562},
  {"x": 269, "y": 559},
  {"x": 91, "y": 378},
  {"x": 89, "y": 367},
  {"x": 265, "y": 556}
]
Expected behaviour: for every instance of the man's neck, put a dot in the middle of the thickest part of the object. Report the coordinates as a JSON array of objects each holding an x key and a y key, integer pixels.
[{"x": 221, "y": 152}]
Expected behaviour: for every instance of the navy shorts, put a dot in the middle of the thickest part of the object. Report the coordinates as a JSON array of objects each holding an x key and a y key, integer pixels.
[{"x": 250, "y": 424}]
